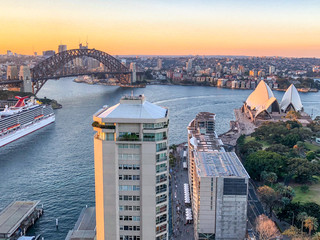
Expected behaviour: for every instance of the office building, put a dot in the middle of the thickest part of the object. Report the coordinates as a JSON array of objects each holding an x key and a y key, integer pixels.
[
  {"x": 218, "y": 184},
  {"x": 62, "y": 48},
  {"x": 131, "y": 170}
]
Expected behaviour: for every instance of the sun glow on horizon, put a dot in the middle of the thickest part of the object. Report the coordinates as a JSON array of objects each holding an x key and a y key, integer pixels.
[{"x": 272, "y": 28}]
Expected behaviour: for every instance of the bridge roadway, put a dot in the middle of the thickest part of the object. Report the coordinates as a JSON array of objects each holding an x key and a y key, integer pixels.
[{"x": 10, "y": 82}]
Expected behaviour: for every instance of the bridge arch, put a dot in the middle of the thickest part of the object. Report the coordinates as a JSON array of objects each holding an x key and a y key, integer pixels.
[{"x": 48, "y": 68}]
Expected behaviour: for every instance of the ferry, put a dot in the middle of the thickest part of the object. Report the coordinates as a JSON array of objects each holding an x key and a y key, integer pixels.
[{"x": 23, "y": 118}]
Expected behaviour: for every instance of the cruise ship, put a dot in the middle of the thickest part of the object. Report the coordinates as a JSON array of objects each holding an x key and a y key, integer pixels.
[{"x": 23, "y": 118}]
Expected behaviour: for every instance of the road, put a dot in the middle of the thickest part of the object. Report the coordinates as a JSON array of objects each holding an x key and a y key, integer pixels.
[{"x": 179, "y": 176}]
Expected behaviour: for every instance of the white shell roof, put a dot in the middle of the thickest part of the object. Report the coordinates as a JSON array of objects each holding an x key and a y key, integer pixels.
[
  {"x": 145, "y": 110},
  {"x": 260, "y": 96},
  {"x": 291, "y": 96}
]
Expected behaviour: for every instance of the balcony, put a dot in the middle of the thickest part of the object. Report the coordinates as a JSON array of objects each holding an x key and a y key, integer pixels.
[
  {"x": 162, "y": 159},
  {"x": 161, "y": 149},
  {"x": 129, "y": 138},
  {"x": 95, "y": 124}
]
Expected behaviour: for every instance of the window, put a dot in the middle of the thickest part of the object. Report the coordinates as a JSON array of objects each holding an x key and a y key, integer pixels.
[
  {"x": 128, "y": 237},
  {"x": 161, "y": 168},
  {"x": 161, "y": 178},
  {"x": 161, "y": 136},
  {"x": 109, "y": 136},
  {"x": 126, "y": 156},
  {"x": 162, "y": 237},
  {"x": 161, "y": 218},
  {"x": 129, "y": 188},
  {"x": 161, "y": 147},
  {"x": 129, "y": 228},
  {"x": 125, "y": 146},
  {"x": 161, "y": 188},
  {"x": 129, "y": 218},
  {"x": 129, "y": 177},
  {"x": 161, "y": 209},
  {"x": 129, "y": 208},
  {"x": 148, "y": 137},
  {"x": 129, "y": 166},
  {"x": 161, "y": 157},
  {"x": 155, "y": 125},
  {"x": 161, "y": 228},
  {"x": 129, "y": 198},
  {"x": 162, "y": 198}
]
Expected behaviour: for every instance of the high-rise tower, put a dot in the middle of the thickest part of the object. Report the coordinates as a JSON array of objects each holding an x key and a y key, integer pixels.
[{"x": 131, "y": 170}]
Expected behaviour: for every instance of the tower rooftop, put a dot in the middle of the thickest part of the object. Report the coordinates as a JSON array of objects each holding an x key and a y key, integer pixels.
[{"x": 132, "y": 107}]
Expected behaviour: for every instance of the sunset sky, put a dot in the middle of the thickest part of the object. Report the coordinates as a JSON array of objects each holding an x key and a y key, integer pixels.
[{"x": 167, "y": 27}]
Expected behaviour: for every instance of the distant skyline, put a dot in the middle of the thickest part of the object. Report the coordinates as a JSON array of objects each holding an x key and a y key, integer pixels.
[{"x": 252, "y": 28}]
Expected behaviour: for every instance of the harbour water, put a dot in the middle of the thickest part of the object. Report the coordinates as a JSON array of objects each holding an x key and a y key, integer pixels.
[{"x": 55, "y": 164}]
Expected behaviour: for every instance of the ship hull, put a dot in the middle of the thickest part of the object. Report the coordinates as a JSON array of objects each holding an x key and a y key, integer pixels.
[{"x": 4, "y": 140}]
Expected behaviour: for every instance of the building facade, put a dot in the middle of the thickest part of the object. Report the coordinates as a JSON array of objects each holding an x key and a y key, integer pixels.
[
  {"x": 218, "y": 184},
  {"x": 131, "y": 170}
]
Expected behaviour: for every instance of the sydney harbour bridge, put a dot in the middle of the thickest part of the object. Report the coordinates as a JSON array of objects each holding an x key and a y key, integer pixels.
[{"x": 54, "y": 67}]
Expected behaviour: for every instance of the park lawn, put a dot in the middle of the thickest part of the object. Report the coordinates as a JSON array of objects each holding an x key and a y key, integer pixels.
[
  {"x": 264, "y": 143},
  {"x": 313, "y": 195},
  {"x": 311, "y": 146}
]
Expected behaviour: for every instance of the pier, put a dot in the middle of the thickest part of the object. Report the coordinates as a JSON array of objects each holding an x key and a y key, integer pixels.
[
  {"x": 17, "y": 217},
  {"x": 85, "y": 228}
]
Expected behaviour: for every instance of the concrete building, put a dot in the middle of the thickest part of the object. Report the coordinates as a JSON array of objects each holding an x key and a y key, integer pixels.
[
  {"x": 218, "y": 182},
  {"x": 134, "y": 72},
  {"x": 12, "y": 72},
  {"x": 131, "y": 170},
  {"x": 62, "y": 48}
]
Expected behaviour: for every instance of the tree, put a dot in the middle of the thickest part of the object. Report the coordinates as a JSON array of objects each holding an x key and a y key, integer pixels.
[
  {"x": 290, "y": 139},
  {"x": 302, "y": 217},
  {"x": 284, "y": 191},
  {"x": 268, "y": 196},
  {"x": 266, "y": 228},
  {"x": 302, "y": 170},
  {"x": 311, "y": 223},
  {"x": 264, "y": 161},
  {"x": 310, "y": 155},
  {"x": 250, "y": 147},
  {"x": 278, "y": 148},
  {"x": 295, "y": 234},
  {"x": 268, "y": 177}
]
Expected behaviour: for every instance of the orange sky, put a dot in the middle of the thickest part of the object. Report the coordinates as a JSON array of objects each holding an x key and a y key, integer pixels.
[{"x": 229, "y": 27}]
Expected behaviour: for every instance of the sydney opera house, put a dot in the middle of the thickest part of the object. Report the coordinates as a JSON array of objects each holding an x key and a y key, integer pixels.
[{"x": 261, "y": 103}]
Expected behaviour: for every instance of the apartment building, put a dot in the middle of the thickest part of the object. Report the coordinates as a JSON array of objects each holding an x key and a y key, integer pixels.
[{"x": 131, "y": 170}]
